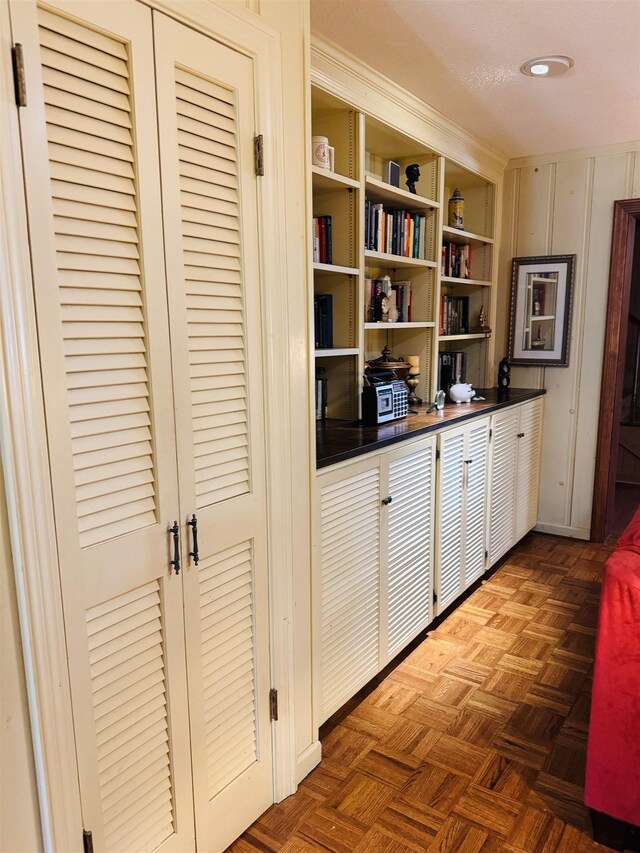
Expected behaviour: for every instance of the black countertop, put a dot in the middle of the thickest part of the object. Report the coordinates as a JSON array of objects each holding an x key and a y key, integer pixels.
[{"x": 339, "y": 440}]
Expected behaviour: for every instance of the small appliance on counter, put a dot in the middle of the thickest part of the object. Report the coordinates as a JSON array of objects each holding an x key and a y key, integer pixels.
[{"x": 384, "y": 397}]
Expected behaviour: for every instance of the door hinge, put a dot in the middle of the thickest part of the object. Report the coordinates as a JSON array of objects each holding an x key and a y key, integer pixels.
[
  {"x": 273, "y": 705},
  {"x": 486, "y": 555},
  {"x": 437, "y": 453},
  {"x": 258, "y": 150},
  {"x": 18, "y": 75},
  {"x": 435, "y": 596},
  {"x": 490, "y": 433},
  {"x": 87, "y": 841}
]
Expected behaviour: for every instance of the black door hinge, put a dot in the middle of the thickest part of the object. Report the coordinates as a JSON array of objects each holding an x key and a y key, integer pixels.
[
  {"x": 18, "y": 75},
  {"x": 87, "y": 841},
  {"x": 490, "y": 433},
  {"x": 437, "y": 453},
  {"x": 435, "y": 596},
  {"x": 258, "y": 150},
  {"x": 273, "y": 705},
  {"x": 486, "y": 556}
]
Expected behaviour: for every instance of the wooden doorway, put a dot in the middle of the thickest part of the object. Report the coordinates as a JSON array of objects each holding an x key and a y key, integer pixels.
[{"x": 626, "y": 216}]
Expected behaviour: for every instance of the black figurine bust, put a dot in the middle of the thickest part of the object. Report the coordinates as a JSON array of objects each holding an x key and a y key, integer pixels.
[{"x": 413, "y": 176}]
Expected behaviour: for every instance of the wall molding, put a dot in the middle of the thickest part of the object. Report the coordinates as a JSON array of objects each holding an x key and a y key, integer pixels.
[{"x": 574, "y": 154}]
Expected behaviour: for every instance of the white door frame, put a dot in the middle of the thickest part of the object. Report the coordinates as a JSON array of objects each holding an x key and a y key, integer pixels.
[{"x": 23, "y": 435}]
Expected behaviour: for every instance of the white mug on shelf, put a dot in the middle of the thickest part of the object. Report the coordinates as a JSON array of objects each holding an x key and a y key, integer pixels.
[{"x": 322, "y": 154}]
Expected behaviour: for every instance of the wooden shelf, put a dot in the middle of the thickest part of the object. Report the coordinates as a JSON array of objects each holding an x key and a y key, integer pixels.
[
  {"x": 379, "y": 191},
  {"x": 324, "y": 180},
  {"x": 382, "y": 259},
  {"x": 455, "y": 235},
  {"x": 471, "y": 337},
  {"x": 476, "y": 282},
  {"x": 413, "y": 324},
  {"x": 329, "y": 353},
  {"x": 335, "y": 269}
]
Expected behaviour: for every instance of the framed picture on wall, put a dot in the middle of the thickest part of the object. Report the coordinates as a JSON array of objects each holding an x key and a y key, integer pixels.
[{"x": 540, "y": 313}]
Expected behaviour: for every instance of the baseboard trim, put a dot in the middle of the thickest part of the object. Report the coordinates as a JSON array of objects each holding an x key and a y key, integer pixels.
[
  {"x": 563, "y": 530},
  {"x": 307, "y": 760}
]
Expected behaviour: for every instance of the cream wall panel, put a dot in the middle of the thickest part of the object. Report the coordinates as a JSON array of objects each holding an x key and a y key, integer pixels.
[
  {"x": 563, "y": 204},
  {"x": 611, "y": 181},
  {"x": 567, "y": 215}
]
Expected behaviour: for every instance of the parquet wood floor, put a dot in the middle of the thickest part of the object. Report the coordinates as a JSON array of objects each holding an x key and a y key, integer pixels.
[{"x": 475, "y": 742}]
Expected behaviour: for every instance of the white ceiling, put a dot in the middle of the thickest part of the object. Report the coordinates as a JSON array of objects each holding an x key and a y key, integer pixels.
[{"x": 463, "y": 58}]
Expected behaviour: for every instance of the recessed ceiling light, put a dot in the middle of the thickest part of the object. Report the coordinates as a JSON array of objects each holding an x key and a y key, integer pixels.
[{"x": 547, "y": 66}]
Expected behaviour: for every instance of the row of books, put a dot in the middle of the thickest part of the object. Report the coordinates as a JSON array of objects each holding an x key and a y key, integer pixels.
[
  {"x": 454, "y": 315},
  {"x": 322, "y": 253},
  {"x": 387, "y": 301},
  {"x": 452, "y": 367},
  {"x": 395, "y": 232},
  {"x": 456, "y": 260},
  {"x": 323, "y": 320}
]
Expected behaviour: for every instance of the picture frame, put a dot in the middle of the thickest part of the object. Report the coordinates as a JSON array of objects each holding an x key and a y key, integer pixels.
[{"x": 540, "y": 311}]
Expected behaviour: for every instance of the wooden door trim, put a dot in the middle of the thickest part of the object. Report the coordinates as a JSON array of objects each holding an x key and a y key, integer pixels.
[{"x": 625, "y": 216}]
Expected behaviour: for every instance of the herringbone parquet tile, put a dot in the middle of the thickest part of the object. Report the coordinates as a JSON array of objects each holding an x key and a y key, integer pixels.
[{"x": 476, "y": 741}]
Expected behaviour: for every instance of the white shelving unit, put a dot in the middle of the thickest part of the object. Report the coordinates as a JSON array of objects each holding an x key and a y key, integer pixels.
[{"x": 362, "y": 146}]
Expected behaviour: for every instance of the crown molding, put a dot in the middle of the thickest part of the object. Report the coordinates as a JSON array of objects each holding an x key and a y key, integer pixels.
[
  {"x": 632, "y": 147},
  {"x": 364, "y": 88}
]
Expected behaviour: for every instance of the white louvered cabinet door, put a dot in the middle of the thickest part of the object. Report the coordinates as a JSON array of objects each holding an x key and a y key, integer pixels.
[
  {"x": 450, "y": 517},
  {"x": 502, "y": 489},
  {"x": 346, "y": 586},
  {"x": 475, "y": 501},
  {"x": 207, "y": 121},
  {"x": 91, "y": 174},
  {"x": 407, "y": 545},
  {"x": 528, "y": 466}
]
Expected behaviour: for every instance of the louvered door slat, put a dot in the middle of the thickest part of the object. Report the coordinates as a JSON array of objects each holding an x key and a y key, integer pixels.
[
  {"x": 409, "y": 545},
  {"x": 450, "y": 517},
  {"x": 349, "y": 569},
  {"x": 502, "y": 506},
  {"x": 113, "y": 690},
  {"x": 229, "y": 575},
  {"x": 475, "y": 500},
  {"x": 528, "y": 467}
]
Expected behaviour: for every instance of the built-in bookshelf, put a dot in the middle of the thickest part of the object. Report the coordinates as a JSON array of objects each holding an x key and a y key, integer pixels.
[{"x": 399, "y": 275}]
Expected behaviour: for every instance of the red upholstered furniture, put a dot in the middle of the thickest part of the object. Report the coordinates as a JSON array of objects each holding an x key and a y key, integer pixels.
[{"x": 612, "y": 786}]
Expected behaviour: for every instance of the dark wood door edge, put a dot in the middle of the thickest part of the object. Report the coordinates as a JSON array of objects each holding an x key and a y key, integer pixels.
[{"x": 625, "y": 215}]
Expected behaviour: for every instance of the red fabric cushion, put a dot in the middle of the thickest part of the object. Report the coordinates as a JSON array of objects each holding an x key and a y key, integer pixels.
[
  {"x": 613, "y": 756},
  {"x": 630, "y": 539}
]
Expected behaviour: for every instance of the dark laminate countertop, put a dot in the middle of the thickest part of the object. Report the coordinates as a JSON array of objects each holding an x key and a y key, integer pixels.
[{"x": 339, "y": 440}]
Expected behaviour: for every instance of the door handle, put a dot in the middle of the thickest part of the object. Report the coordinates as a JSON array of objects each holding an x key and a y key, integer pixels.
[
  {"x": 175, "y": 532},
  {"x": 193, "y": 524}
]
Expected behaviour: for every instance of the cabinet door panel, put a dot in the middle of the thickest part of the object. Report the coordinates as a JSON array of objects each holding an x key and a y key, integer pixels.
[
  {"x": 528, "y": 467},
  {"x": 475, "y": 500},
  {"x": 207, "y": 120},
  {"x": 502, "y": 503},
  {"x": 406, "y": 607},
  {"x": 348, "y": 584},
  {"x": 450, "y": 516},
  {"x": 92, "y": 181}
]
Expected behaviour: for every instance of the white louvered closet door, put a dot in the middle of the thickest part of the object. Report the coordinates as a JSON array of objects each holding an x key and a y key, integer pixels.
[
  {"x": 476, "y": 451},
  {"x": 207, "y": 124},
  {"x": 407, "y": 546},
  {"x": 91, "y": 171},
  {"x": 450, "y": 516},
  {"x": 529, "y": 441},
  {"x": 347, "y": 585},
  {"x": 502, "y": 490}
]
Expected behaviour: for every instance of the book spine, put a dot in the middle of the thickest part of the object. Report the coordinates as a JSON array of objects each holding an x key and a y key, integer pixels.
[{"x": 329, "y": 241}]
